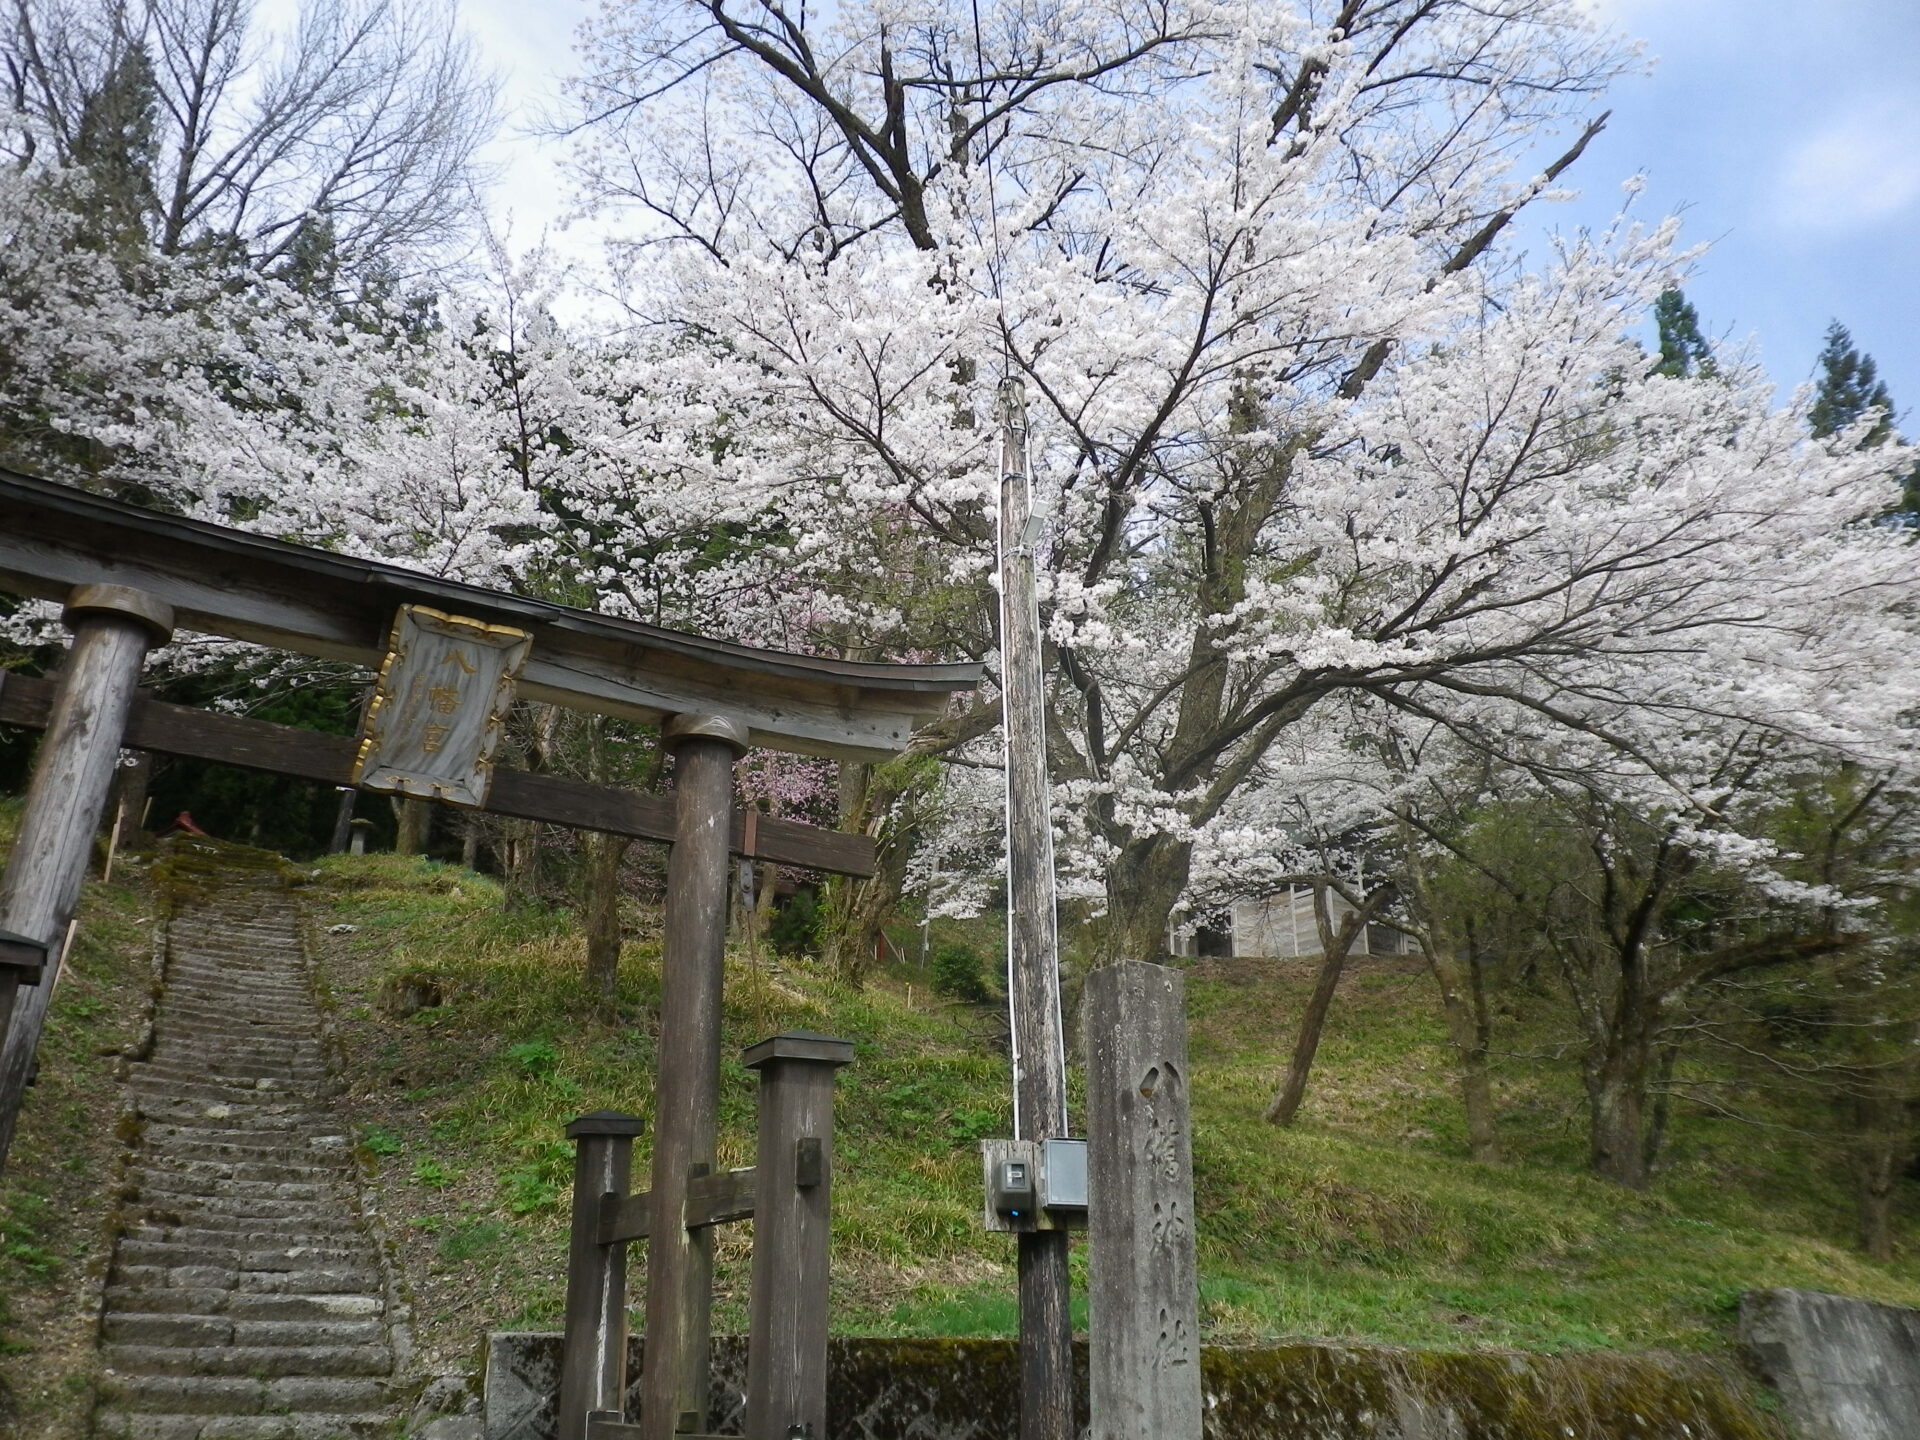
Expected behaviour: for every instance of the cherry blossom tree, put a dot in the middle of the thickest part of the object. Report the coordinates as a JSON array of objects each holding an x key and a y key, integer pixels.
[{"x": 1306, "y": 426}]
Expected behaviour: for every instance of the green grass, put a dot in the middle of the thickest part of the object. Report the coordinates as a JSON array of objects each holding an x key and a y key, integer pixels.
[{"x": 1363, "y": 1222}]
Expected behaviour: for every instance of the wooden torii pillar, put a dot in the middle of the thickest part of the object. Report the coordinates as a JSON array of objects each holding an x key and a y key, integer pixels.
[
  {"x": 673, "y": 1388},
  {"x": 113, "y": 628}
]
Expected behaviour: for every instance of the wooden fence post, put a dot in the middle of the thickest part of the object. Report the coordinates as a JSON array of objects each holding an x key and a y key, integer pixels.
[
  {"x": 113, "y": 627},
  {"x": 792, "y": 1221},
  {"x": 1144, "y": 1300},
  {"x": 593, "y": 1355},
  {"x": 674, "y": 1386}
]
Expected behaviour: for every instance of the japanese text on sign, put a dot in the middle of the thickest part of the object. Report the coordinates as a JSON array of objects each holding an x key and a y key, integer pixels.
[{"x": 434, "y": 722}]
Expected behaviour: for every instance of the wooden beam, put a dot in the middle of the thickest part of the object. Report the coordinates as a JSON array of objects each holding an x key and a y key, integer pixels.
[
  {"x": 314, "y": 602},
  {"x": 721, "y": 1198},
  {"x": 552, "y": 799},
  {"x": 717, "y": 1199}
]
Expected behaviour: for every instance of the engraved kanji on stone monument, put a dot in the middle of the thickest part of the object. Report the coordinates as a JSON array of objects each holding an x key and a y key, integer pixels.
[{"x": 437, "y": 710}]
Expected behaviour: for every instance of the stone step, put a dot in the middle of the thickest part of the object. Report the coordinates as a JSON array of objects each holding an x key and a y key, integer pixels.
[
  {"x": 309, "y": 1170},
  {"x": 244, "y": 942},
  {"x": 193, "y": 1330},
  {"x": 197, "y": 1178},
  {"x": 274, "y": 1112},
  {"x": 241, "y": 1395},
  {"x": 247, "y": 1209},
  {"x": 230, "y": 1057},
  {"x": 144, "y": 1080},
  {"x": 274, "y": 958},
  {"x": 122, "y": 1425},
  {"x": 299, "y": 1163},
  {"x": 205, "y": 1022},
  {"x": 279, "y": 970},
  {"x": 224, "y": 1056},
  {"x": 200, "y": 1069},
  {"x": 336, "y": 1280},
  {"x": 240, "y": 1012},
  {"x": 240, "y": 1040},
  {"x": 311, "y": 1222},
  {"x": 321, "y": 1306},
  {"x": 222, "y": 1255},
  {"x": 339, "y": 1237},
  {"x": 267, "y": 1133},
  {"x": 239, "y": 1358}
]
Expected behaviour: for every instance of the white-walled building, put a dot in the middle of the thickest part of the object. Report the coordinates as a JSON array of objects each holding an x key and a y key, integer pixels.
[{"x": 1281, "y": 925}]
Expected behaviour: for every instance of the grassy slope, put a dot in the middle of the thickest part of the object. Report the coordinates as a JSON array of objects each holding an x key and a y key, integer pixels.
[
  {"x": 57, "y": 1197},
  {"x": 1363, "y": 1222}
]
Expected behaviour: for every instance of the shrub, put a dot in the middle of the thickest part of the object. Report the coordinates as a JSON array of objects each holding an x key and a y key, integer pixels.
[
  {"x": 959, "y": 972},
  {"x": 794, "y": 929}
]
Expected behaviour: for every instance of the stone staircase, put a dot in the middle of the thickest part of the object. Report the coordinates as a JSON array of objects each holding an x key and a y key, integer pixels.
[{"x": 246, "y": 1298}]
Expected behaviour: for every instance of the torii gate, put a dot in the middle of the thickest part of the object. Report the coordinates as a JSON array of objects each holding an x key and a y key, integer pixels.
[{"x": 128, "y": 575}]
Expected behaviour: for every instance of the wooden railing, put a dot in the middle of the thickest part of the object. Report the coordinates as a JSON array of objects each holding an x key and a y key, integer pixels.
[{"x": 787, "y": 1195}]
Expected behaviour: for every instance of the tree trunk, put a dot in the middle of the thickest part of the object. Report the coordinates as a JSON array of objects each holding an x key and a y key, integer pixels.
[
  {"x": 1669, "y": 1055},
  {"x": 415, "y": 817},
  {"x": 600, "y": 905},
  {"x": 1878, "y": 1151},
  {"x": 131, "y": 783},
  {"x": 1617, "y": 1100},
  {"x": 1335, "y": 946},
  {"x": 1463, "y": 1009},
  {"x": 1144, "y": 883},
  {"x": 600, "y": 856},
  {"x": 882, "y": 801},
  {"x": 520, "y": 864},
  {"x": 1286, "y": 1102},
  {"x": 470, "y": 827},
  {"x": 521, "y": 860}
]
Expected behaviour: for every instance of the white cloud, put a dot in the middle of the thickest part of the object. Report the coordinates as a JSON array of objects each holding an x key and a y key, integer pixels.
[{"x": 1859, "y": 168}]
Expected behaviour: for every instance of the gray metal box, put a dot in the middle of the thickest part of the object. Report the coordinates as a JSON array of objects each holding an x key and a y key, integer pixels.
[{"x": 1063, "y": 1174}]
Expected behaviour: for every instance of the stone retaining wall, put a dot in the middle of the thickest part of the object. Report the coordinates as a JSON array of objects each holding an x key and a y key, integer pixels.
[
  {"x": 966, "y": 1390},
  {"x": 1845, "y": 1369}
]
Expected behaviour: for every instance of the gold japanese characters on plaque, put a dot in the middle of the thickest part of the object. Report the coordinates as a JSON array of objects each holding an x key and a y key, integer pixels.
[{"x": 437, "y": 710}]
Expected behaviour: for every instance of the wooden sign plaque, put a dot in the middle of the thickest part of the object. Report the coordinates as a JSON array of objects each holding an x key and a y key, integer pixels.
[{"x": 434, "y": 722}]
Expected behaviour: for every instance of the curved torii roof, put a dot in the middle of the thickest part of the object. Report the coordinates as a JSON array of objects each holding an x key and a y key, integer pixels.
[{"x": 228, "y": 582}]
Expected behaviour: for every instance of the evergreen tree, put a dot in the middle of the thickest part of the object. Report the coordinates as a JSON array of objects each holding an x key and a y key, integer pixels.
[
  {"x": 1850, "y": 386},
  {"x": 1684, "y": 352}
]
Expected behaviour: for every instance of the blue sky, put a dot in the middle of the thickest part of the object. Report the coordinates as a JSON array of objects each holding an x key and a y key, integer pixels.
[{"x": 1787, "y": 132}]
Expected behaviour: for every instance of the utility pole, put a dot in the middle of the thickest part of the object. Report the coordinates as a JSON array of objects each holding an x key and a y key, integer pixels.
[{"x": 1033, "y": 948}]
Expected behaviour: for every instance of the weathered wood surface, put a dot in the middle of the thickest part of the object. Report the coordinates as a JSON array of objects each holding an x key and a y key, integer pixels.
[
  {"x": 792, "y": 1229},
  {"x": 72, "y": 775},
  {"x": 552, "y": 799},
  {"x": 338, "y": 607},
  {"x": 687, "y": 1085},
  {"x": 1033, "y": 961},
  {"x": 593, "y": 1363},
  {"x": 1144, "y": 1301},
  {"x": 716, "y": 1199}
]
